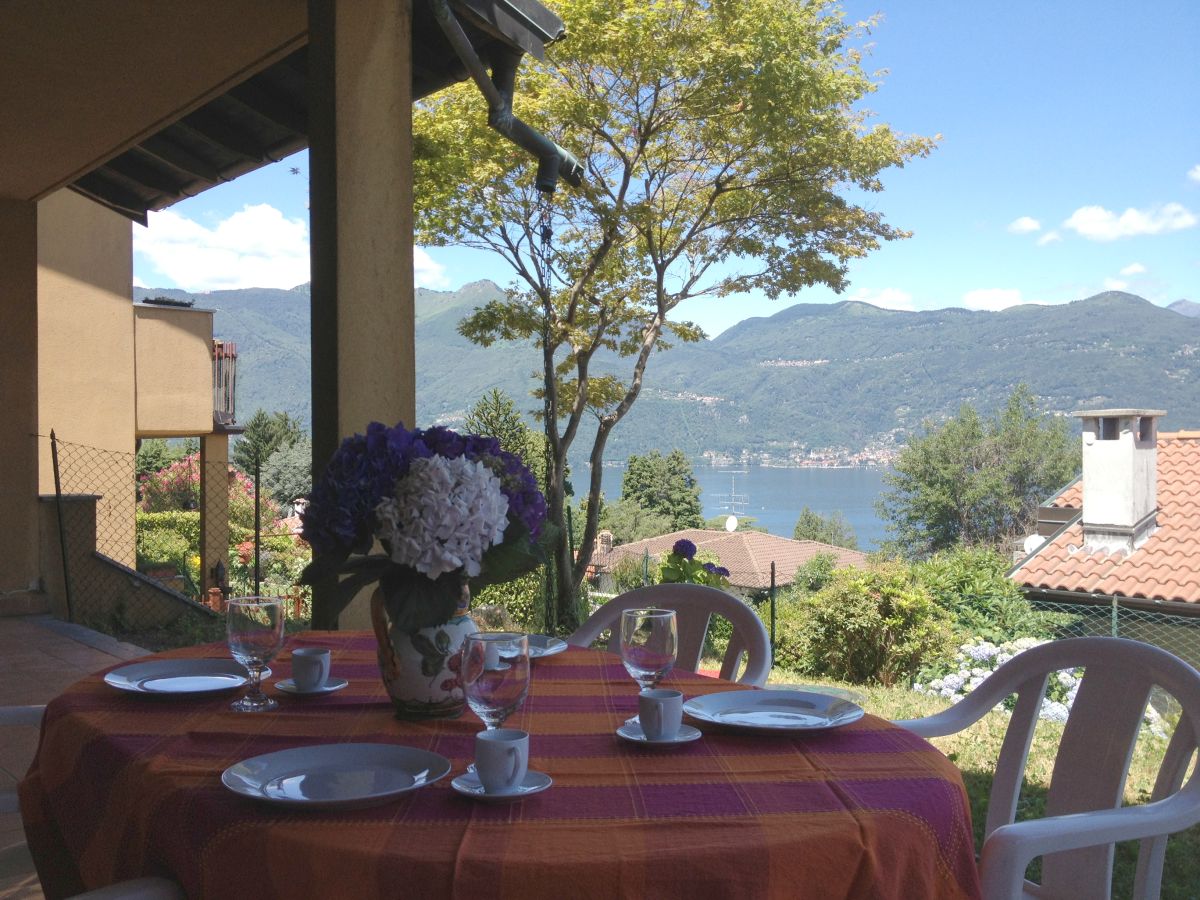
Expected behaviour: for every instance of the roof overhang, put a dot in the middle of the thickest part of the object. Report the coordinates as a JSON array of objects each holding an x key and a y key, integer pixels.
[{"x": 139, "y": 106}]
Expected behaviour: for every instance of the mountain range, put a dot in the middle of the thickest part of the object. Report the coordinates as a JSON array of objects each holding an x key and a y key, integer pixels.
[{"x": 847, "y": 375}]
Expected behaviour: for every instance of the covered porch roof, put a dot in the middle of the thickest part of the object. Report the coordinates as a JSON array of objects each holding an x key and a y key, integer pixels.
[{"x": 138, "y": 107}]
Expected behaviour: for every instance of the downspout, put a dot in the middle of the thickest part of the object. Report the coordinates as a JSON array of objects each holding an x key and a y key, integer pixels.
[{"x": 553, "y": 161}]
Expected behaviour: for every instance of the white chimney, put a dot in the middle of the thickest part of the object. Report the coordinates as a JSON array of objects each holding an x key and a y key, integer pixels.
[{"x": 1120, "y": 478}]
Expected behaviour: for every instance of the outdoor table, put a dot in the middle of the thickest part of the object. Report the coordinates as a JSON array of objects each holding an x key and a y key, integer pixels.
[{"x": 126, "y": 785}]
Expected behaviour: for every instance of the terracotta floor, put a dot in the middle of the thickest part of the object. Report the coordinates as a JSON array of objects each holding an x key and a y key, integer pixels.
[{"x": 39, "y": 657}]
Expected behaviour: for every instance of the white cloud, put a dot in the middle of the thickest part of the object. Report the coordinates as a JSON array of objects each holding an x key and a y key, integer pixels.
[
  {"x": 885, "y": 298},
  {"x": 255, "y": 247},
  {"x": 1049, "y": 238},
  {"x": 1134, "y": 269},
  {"x": 1194, "y": 173},
  {"x": 1024, "y": 225},
  {"x": 1099, "y": 224},
  {"x": 137, "y": 282},
  {"x": 427, "y": 273},
  {"x": 992, "y": 298},
  {"x": 1115, "y": 284}
]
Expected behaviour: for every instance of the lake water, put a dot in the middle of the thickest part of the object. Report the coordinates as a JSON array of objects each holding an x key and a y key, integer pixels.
[{"x": 774, "y": 497}]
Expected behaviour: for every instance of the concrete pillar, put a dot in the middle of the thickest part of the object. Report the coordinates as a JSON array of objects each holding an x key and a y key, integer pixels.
[
  {"x": 214, "y": 508},
  {"x": 19, "y": 563},
  {"x": 360, "y": 157}
]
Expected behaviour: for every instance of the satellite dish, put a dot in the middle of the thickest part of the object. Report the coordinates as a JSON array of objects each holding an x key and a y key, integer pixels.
[
  {"x": 731, "y": 523},
  {"x": 1033, "y": 542}
]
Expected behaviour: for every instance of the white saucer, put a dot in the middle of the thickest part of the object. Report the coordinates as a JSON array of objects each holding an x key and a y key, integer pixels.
[
  {"x": 468, "y": 785},
  {"x": 288, "y": 686},
  {"x": 632, "y": 732}
]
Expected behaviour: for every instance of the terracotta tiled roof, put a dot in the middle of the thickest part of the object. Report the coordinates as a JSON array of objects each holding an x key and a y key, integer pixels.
[
  {"x": 746, "y": 554},
  {"x": 1165, "y": 567}
]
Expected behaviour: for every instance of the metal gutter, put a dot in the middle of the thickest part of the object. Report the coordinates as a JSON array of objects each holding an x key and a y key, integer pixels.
[{"x": 553, "y": 161}]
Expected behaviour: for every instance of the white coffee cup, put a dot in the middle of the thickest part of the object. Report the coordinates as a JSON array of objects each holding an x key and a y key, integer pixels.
[
  {"x": 310, "y": 667},
  {"x": 501, "y": 759},
  {"x": 661, "y": 713}
]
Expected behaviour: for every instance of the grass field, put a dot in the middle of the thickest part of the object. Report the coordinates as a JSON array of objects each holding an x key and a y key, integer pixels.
[{"x": 975, "y": 750}]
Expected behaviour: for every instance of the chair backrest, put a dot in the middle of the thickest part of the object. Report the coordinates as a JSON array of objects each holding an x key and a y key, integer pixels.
[
  {"x": 694, "y": 605},
  {"x": 1096, "y": 747}
]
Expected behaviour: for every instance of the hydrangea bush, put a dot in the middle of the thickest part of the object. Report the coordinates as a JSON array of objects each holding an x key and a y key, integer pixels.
[
  {"x": 680, "y": 566},
  {"x": 449, "y": 510},
  {"x": 977, "y": 659}
]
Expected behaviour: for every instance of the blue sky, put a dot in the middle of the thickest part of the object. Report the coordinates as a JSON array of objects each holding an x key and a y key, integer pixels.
[{"x": 1069, "y": 164}]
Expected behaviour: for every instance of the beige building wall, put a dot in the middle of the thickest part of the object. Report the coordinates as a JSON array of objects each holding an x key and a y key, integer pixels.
[
  {"x": 85, "y": 330},
  {"x": 173, "y": 371},
  {"x": 85, "y": 360}
]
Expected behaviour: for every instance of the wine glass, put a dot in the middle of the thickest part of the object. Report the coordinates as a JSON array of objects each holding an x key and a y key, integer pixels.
[
  {"x": 649, "y": 642},
  {"x": 495, "y": 674},
  {"x": 254, "y": 626}
]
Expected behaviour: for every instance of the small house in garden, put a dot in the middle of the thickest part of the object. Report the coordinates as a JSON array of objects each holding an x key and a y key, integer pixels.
[{"x": 748, "y": 555}]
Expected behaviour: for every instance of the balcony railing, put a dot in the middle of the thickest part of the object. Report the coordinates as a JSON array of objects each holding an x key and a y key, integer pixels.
[{"x": 224, "y": 382}]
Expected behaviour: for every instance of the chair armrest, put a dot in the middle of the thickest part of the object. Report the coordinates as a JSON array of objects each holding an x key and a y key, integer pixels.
[{"x": 1008, "y": 850}]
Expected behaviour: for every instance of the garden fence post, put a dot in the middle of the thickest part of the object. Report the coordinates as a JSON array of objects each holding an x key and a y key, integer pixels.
[
  {"x": 645, "y": 568},
  {"x": 772, "y": 609},
  {"x": 257, "y": 526},
  {"x": 62, "y": 528}
]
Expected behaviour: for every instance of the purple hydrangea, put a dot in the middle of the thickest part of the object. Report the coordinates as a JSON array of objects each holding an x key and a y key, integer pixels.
[
  {"x": 685, "y": 548},
  {"x": 340, "y": 516}
]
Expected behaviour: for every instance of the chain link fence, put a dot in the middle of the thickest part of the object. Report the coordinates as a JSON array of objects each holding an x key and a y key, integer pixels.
[
  {"x": 151, "y": 544},
  {"x": 1174, "y": 632}
]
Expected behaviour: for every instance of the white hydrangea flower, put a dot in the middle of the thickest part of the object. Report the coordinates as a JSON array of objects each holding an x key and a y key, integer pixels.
[{"x": 446, "y": 514}]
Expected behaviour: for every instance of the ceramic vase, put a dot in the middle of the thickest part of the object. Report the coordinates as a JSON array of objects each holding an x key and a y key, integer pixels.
[{"x": 421, "y": 669}]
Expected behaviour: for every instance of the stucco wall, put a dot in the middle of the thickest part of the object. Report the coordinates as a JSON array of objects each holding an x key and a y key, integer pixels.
[
  {"x": 85, "y": 329},
  {"x": 85, "y": 358},
  {"x": 174, "y": 371}
]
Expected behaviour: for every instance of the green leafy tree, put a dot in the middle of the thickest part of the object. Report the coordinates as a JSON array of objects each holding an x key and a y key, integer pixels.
[
  {"x": 496, "y": 415},
  {"x": 665, "y": 485},
  {"x": 831, "y": 529},
  {"x": 287, "y": 473},
  {"x": 723, "y": 143},
  {"x": 265, "y": 433},
  {"x": 976, "y": 481},
  {"x": 629, "y": 521},
  {"x": 154, "y": 454}
]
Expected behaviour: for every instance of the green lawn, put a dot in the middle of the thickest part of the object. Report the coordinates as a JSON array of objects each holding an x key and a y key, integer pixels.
[{"x": 975, "y": 752}]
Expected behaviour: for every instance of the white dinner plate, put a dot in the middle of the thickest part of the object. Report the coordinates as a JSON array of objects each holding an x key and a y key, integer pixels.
[
  {"x": 543, "y": 645},
  {"x": 180, "y": 676},
  {"x": 469, "y": 785},
  {"x": 288, "y": 686},
  {"x": 335, "y": 776},
  {"x": 773, "y": 711}
]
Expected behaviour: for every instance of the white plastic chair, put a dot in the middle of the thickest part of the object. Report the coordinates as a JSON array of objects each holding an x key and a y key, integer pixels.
[
  {"x": 694, "y": 605},
  {"x": 1084, "y": 816},
  {"x": 15, "y": 860}
]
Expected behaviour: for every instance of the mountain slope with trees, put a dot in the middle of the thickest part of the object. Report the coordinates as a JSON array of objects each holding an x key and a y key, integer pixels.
[{"x": 812, "y": 375}]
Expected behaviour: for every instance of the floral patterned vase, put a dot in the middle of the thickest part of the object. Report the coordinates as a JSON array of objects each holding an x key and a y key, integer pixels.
[{"x": 421, "y": 669}]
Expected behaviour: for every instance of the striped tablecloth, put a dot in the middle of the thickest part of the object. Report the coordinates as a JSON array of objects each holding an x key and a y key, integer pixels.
[{"x": 126, "y": 785}]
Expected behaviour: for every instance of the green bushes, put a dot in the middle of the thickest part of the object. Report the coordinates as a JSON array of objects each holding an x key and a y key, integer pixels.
[
  {"x": 972, "y": 584},
  {"x": 884, "y": 624},
  {"x": 877, "y": 625},
  {"x": 520, "y": 599}
]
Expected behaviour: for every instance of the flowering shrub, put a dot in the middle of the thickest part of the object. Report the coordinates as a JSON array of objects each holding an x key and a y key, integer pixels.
[
  {"x": 449, "y": 509},
  {"x": 177, "y": 487},
  {"x": 680, "y": 566},
  {"x": 977, "y": 659}
]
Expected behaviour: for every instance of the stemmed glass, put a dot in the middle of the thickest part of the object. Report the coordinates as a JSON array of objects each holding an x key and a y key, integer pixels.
[
  {"x": 495, "y": 674},
  {"x": 649, "y": 642},
  {"x": 254, "y": 626}
]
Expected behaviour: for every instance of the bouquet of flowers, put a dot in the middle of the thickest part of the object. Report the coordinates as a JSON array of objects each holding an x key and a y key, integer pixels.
[
  {"x": 452, "y": 512},
  {"x": 680, "y": 566}
]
